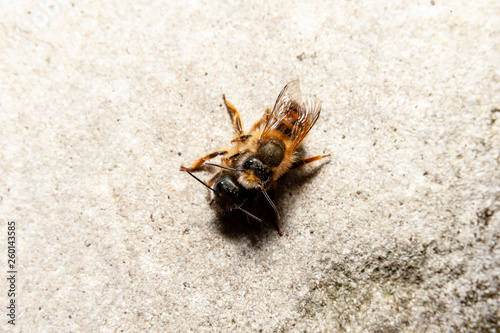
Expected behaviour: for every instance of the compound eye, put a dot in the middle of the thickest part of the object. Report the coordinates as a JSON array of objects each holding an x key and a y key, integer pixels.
[
  {"x": 223, "y": 187},
  {"x": 250, "y": 163}
]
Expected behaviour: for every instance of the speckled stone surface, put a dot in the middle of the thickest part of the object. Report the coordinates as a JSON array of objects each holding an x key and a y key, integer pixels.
[{"x": 101, "y": 103}]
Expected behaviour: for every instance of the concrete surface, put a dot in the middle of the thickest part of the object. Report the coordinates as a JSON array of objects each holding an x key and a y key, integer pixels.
[{"x": 101, "y": 103}]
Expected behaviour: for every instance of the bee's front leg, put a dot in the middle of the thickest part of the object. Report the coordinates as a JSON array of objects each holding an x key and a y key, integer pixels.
[{"x": 199, "y": 162}]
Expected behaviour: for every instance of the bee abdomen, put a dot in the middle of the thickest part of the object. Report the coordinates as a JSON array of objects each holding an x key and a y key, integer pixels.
[{"x": 289, "y": 122}]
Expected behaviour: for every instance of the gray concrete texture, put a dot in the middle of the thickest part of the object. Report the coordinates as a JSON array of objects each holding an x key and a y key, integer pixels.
[{"x": 100, "y": 104}]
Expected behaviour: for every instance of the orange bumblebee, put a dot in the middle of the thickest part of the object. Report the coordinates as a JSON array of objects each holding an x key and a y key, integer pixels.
[{"x": 262, "y": 155}]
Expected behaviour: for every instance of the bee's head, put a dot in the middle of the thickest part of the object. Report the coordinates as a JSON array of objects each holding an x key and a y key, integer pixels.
[
  {"x": 255, "y": 173},
  {"x": 228, "y": 193},
  {"x": 231, "y": 194}
]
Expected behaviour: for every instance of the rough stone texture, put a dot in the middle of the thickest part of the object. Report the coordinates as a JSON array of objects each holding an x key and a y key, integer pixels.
[{"x": 101, "y": 103}]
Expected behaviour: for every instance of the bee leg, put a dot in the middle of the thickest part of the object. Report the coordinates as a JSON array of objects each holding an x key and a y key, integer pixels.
[
  {"x": 304, "y": 161},
  {"x": 277, "y": 226},
  {"x": 276, "y": 218},
  {"x": 262, "y": 120},
  {"x": 250, "y": 221},
  {"x": 199, "y": 162},
  {"x": 241, "y": 138},
  {"x": 234, "y": 114},
  {"x": 212, "y": 180}
]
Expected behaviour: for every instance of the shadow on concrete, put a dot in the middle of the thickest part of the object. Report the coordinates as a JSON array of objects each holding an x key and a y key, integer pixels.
[{"x": 235, "y": 225}]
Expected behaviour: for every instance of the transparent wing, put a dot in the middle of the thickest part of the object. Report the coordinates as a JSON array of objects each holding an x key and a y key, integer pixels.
[{"x": 293, "y": 114}]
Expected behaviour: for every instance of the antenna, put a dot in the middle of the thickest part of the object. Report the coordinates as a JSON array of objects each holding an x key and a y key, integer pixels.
[
  {"x": 198, "y": 179},
  {"x": 271, "y": 203},
  {"x": 223, "y": 167},
  {"x": 235, "y": 207}
]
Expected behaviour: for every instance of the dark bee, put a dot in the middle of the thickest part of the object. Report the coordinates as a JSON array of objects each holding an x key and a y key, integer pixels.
[{"x": 228, "y": 194}]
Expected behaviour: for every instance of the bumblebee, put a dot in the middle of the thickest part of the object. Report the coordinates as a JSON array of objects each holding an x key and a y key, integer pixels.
[
  {"x": 228, "y": 194},
  {"x": 269, "y": 151},
  {"x": 261, "y": 156}
]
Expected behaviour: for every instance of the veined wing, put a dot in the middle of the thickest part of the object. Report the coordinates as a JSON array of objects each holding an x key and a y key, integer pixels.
[{"x": 293, "y": 114}]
